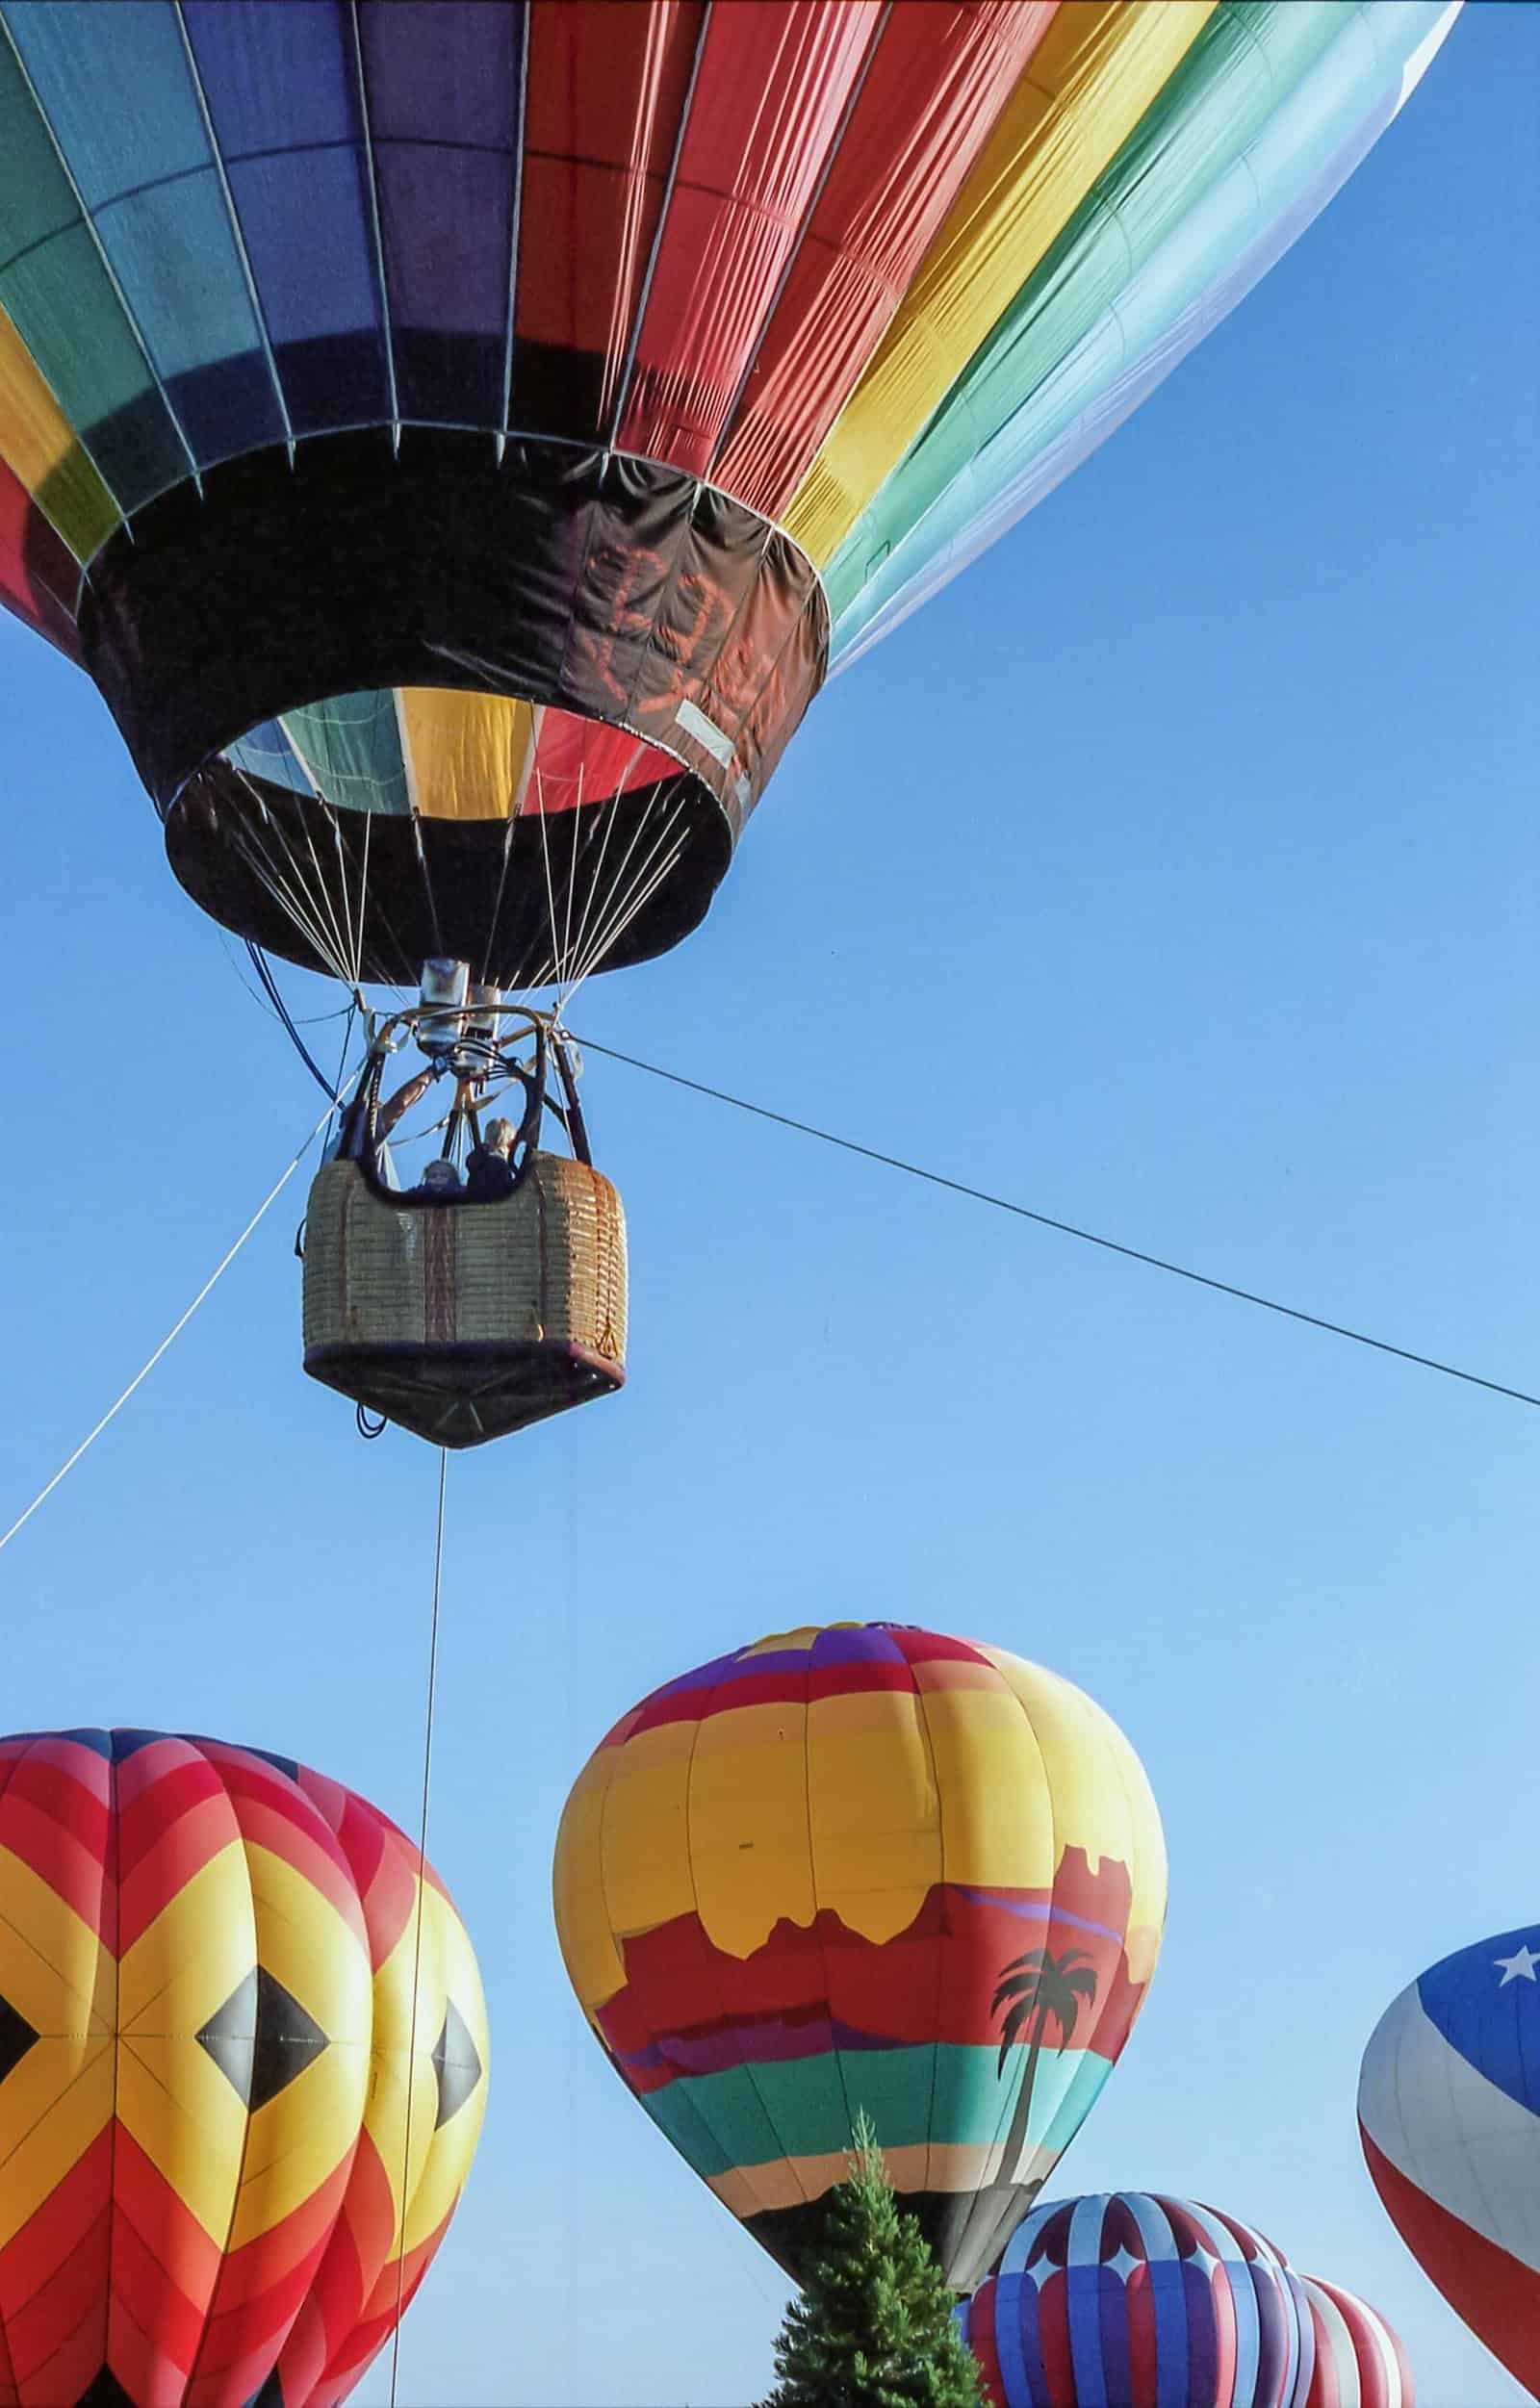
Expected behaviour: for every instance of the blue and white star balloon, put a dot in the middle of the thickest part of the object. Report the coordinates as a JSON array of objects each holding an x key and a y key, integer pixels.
[{"x": 1449, "y": 2111}]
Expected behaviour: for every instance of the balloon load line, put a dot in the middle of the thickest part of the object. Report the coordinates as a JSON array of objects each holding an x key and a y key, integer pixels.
[
  {"x": 1063, "y": 1228},
  {"x": 866, "y": 1153},
  {"x": 170, "y": 1337},
  {"x": 417, "y": 1933}
]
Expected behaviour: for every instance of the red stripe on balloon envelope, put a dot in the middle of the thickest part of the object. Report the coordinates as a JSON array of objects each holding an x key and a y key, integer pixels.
[
  {"x": 1498, "y": 2297},
  {"x": 772, "y": 91},
  {"x": 36, "y": 570},
  {"x": 942, "y": 73},
  {"x": 607, "y": 80}
]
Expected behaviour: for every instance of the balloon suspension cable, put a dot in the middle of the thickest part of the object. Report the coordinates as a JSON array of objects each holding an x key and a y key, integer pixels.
[
  {"x": 421, "y": 1893},
  {"x": 173, "y": 1333},
  {"x": 270, "y": 985},
  {"x": 1067, "y": 1228}
]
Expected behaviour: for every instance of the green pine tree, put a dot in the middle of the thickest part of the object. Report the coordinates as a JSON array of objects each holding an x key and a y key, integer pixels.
[{"x": 873, "y": 2327}]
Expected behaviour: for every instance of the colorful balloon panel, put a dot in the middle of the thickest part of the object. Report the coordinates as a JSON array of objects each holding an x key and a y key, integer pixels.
[
  {"x": 229, "y": 2150},
  {"x": 1359, "y": 2358},
  {"x": 1448, "y": 2114},
  {"x": 427, "y": 421},
  {"x": 874, "y": 1867},
  {"x": 1142, "y": 2301}
]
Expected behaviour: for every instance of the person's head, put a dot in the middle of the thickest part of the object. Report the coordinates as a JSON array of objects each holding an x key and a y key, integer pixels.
[
  {"x": 440, "y": 1176},
  {"x": 501, "y": 1135}
]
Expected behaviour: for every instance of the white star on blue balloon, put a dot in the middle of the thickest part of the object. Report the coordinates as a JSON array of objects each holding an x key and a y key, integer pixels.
[{"x": 1520, "y": 1967}]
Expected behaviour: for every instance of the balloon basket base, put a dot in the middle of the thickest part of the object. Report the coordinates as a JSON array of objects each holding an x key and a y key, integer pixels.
[{"x": 465, "y": 1395}]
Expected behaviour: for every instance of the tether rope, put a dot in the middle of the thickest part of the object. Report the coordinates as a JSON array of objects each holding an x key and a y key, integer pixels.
[
  {"x": 174, "y": 1332},
  {"x": 421, "y": 1893},
  {"x": 1065, "y": 1228}
]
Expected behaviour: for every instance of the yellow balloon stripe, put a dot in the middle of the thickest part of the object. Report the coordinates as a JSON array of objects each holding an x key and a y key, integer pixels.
[
  {"x": 57, "y": 1972},
  {"x": 189, "y": 2122},
  {"x": 1107, "y": 1817},
  {"x": 52, "y": 2107},
  {"x": 643, "y": 1836},
  {"x": 874, "y": 1810},
  {"x": 181, "y": 2109},
  {"x": 1090, "y": 80},
  {"x": 588, "y": 1945},
  {"x": 748, "y": 1843},
  {"x": 38, "y": 443},
  {"x": 451, "y": 2145},
  {"x": 468, "y": 755},
  {"x": 438, "y": 2161},
  {"x": 300, "y": 2137},
  {"x": 185, "y": 1964},
  {"x": 981, "y": 1775}
]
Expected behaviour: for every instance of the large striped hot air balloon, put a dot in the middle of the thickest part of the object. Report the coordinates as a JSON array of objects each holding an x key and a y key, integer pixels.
[
  {"x": 864, "y": 1867},
  {"x": 243, "y": 2066},
  {"x": 1359, "y": 2358},
  {"x": 458, "y": 437},
  {"x": 1448, "y": 2114},
  {"x": 1133, "y": 2300}
]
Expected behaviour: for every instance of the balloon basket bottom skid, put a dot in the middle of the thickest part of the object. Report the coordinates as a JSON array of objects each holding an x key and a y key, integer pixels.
[{"x": 462, "y": 1396}]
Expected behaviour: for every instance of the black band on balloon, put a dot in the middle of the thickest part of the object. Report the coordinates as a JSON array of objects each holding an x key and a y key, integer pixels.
[{"x": 599, "y": 583}]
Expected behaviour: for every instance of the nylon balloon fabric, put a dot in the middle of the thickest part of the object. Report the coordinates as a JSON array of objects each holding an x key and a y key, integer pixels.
[
  {"x": 1448, "y": 2114},
  {"x": 864, "y": 1867},
  {"x": 1359, "y": 2358},
  {"x": 459, "y": 439},
  {"x": 1140, "y": 2300},
  {"x": 206, "y": 2009}
]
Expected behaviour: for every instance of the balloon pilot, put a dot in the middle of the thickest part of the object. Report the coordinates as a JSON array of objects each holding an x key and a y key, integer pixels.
[{"x": 489, "y": 1173}]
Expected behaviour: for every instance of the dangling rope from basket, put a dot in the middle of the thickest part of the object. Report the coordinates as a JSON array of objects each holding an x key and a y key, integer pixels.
[
  {"x": 422, "y": 1892},
  {"x": 173, "y": 1333}
]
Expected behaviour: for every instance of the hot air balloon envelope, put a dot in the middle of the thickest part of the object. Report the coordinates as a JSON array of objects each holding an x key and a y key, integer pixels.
[
  {"x": 1142, "y": 2301},
  {"x": 1359, "y": 2360},
  {"x": 864, "y": 1867},
  {"x": 459, "y": 439},
  {"x": 219, "y": 2186},
  {"x": 1449, "y": 2113}
]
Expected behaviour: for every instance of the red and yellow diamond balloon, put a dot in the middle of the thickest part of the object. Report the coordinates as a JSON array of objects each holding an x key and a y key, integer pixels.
[{"x": 231, "y": 2138}]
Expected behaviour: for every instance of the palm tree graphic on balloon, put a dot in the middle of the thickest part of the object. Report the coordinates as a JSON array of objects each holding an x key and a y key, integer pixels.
[{"x": 1035, "y": 1991}]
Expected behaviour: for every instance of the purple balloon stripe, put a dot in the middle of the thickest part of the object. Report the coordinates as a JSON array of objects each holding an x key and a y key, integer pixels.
[{"x": 1029, "y": 1911}]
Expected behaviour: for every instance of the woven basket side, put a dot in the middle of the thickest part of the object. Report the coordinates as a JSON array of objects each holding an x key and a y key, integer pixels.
[
  {"x": 548, "y": 1264},
  {"x": 499, "y": 1268},
  {"x": 586, "y": 1236},
  {"x": 365, "y": 1265},
  {"x": 323, "y": 1255},
  {"x": 607, "y": 1295}
]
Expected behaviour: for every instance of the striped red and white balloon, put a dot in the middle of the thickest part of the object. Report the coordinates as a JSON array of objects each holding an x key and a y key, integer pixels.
[
  {"x": 1359, "y": 2358},
  {"x": 1448, "y": 2114},
  {"x": 1148, "y": 2301}
]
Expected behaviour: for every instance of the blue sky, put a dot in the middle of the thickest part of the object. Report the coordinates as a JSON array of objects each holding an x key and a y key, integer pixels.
[{"x": 1176, "y": 872}]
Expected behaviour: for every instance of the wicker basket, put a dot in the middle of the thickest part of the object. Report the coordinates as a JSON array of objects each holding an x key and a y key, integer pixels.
[{"x": 463, "y": 1322}]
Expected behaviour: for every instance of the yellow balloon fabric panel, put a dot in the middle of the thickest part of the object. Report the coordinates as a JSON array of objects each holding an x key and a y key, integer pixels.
[
  {"x": 38, "y": 444},
  {"x": 1086, "y": 88}
]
